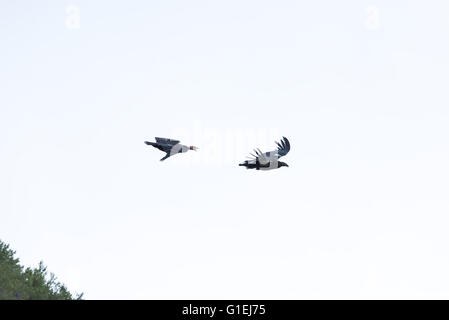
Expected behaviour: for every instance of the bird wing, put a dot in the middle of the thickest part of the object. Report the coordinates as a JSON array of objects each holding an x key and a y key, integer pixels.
[
  {"x": 283, "y": 148},
  {"x": 167, "y": 141},
  {"x": 259, "y": 156},
  {"x": 166, "y": 156}
]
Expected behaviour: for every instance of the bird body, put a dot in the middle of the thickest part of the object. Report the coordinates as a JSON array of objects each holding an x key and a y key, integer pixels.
[
  {"x": 268, "y": 160},
  {"x": 266, "y": 166},
  {"x": 170, "y": 146}
]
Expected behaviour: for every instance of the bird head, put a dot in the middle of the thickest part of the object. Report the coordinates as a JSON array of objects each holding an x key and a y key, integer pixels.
[{"x": 194, "y": 148}]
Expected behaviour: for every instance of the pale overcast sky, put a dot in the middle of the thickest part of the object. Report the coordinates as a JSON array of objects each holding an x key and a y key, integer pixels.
[{"x": 360, "y": 88}]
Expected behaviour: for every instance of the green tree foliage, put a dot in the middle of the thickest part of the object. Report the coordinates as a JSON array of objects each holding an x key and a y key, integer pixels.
[{"x": 28, "y": 284}]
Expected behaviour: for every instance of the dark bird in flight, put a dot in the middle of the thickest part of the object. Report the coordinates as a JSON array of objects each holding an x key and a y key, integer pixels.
[
  {"x": 169, "y": 146},
  {"x": 268, "y": 160}
]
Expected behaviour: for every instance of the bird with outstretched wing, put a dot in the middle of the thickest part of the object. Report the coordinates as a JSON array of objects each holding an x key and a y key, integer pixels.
[
  {"x": 268, "y": 160},
  {"x": 170, "y": 146}
]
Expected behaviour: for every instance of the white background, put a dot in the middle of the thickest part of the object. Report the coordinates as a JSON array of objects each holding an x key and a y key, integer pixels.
[{"x": 360, "y": 88}]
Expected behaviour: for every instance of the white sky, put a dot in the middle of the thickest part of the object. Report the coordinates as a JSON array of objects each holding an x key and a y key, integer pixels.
[{"x": 360, "y": 88}]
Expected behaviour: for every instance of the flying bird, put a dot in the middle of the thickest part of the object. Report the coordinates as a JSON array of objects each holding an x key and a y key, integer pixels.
[
  {"x": 170, "y": 146},
  {"x": 268, "y": 160}
]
